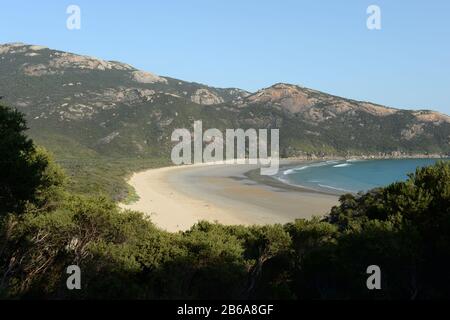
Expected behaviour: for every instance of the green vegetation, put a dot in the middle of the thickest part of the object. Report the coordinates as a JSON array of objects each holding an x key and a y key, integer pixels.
[
  {"x": 101, "y": 124},
  {"x": 28, "y": 175},
  {"x": 404, "y": 228},
  {"x": 79, "y": 111},
  {"x": 106, "y": 176}
]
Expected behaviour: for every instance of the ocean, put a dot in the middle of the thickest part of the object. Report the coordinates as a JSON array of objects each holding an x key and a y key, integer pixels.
[{"x": 351, "y": 176}]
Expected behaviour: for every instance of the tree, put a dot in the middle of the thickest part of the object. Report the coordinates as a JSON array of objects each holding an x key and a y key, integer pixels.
[
  {"x": 404, "y": 228},
  {"x": 27, "y": 175}
]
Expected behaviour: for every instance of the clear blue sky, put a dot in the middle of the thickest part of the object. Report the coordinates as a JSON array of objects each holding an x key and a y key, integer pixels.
[{"x": 252, "y": 44}]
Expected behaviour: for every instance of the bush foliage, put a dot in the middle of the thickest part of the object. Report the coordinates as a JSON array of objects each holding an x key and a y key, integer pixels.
[{"x": 403, "y": 228}]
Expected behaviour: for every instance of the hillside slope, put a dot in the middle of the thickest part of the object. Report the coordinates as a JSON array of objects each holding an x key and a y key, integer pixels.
[{"x": 78, "y": 105}]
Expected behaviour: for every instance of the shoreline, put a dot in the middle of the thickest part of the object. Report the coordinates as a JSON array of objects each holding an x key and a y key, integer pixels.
[
  {"x": 280, "y": 183},
  {"x": 396, "y": 156},
  {"x": 176, "y": 198},
  {"x": 337, "y": 192}
]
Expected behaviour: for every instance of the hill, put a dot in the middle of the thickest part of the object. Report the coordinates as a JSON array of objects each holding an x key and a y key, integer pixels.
[
  {"x": 111, "y": 108},
  {"x": 104, "y": 112}
]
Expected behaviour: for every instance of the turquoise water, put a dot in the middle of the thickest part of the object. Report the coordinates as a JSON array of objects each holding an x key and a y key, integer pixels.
[{"x": 351, "y": 176}]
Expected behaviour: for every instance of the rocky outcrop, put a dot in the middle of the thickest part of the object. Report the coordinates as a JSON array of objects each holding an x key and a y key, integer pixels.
[
  {"x": 412, "y": 131},
  {"x": 127, "y": 96},
  {"x": 206, "y": 97},
  {"x": 431, "y": 116},
  {"x": 13, "y": 48},
  {"x": 109, "y": 138},
  {"x": 63, "y": 60},
  {"x": 289, "y": 97},
  {"x": 147, "y": 77},
  {"x": 58, "y": 62},
  {"x": 37, "y": 70},
  {"x": 313, "y": 104},
  {"x": 376, "y": 109}
]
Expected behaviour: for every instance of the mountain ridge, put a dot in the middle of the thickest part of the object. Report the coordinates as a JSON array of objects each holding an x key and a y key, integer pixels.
[
  {"x": 149, "y": 77},
  {"x": 112, "y": 108}
]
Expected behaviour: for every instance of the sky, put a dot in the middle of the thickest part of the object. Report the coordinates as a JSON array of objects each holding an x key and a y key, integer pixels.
[{"x": 252, "y": 44}]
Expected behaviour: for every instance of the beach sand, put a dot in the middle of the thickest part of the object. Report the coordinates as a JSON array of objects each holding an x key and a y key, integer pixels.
[{"x": 178, "y": 197}]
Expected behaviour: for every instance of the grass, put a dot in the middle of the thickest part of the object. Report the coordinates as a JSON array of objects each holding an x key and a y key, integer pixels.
[
  {"x": 132, "y": 196},
  {"x": 106, "y": 176}
]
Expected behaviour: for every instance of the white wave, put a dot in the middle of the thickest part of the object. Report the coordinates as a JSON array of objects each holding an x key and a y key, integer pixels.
[
  {"x": 342, "y": 165},
  {"x": 334, "y": 188},
  {"x": 283, "y": 179},
  {"x": 325, "y": 163},
  {"x": 312, "y": 165},
  {"x": 290, "y": 171},
  {"x": 356, "y": 160}
]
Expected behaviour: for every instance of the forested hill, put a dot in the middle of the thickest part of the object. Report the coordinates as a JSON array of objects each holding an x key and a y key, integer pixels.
[{"x": 77, "y": 105}]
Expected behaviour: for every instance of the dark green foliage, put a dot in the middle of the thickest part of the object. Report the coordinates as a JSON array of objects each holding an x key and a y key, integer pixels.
[
  {"x": 123, "y": 255},
  {"x": 403, "y": 228},
  {"x": 27, "y": 172}
]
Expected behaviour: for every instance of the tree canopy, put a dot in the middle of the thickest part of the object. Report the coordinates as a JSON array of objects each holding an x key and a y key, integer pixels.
[
  {"x": 403, "y": 228},
  {"x": 28, "y": 173}
]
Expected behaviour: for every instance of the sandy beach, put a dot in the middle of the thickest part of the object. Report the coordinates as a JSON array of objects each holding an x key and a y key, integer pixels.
[{"x": 178, "y": 197}]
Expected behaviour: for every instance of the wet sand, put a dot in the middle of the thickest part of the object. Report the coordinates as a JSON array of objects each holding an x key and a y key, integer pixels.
[{"x": 178, "y": 197}]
